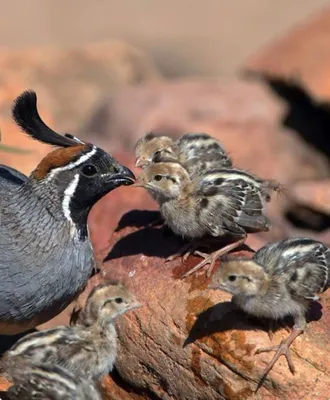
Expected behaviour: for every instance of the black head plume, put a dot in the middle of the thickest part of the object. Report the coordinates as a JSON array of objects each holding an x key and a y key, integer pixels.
[
  {"x": 25, "y": 114},
  {"x": 78, "y": 141}
]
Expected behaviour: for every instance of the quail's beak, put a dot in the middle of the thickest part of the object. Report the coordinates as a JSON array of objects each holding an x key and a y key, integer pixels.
[
  {"x": 140, "y": 162},
  {"x": 218, "y": 286},
  {"x": 124, "y": 177}
]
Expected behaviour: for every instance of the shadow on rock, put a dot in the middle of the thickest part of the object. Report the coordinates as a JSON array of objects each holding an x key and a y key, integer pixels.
[
  {"x": 138, "y": 219},
  {"x": 151, "y": 242},
  {"x": 226, "y": 316},
  {"x": 222, "y": 317}
]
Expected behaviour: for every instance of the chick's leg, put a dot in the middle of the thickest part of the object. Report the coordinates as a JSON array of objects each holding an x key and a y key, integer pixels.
[
  {"x": 184, "y": 251},
  {"x": 273, "y": 326},
  {"x": 283, "y": 349},
  {"x": 213, "y": 257}
]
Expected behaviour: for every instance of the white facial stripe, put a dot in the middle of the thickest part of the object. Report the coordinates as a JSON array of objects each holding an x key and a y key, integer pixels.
[
  {"x": 72, "y": 165},
  {"x": 68, "y": 193}
]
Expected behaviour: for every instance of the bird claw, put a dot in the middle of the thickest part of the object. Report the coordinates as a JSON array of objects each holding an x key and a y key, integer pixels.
[
  {"x": 183, "y": 252},
  {"x": 283, "y": 349},
  {"x": 175, "y": 256},
  {"x": 209, "y": 259},
  {"x": 212, "y": 258},
  {"x": 270, "y": 335}
]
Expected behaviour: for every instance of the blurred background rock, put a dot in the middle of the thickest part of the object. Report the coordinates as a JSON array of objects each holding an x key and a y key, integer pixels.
[{"x": 256, "y": 75}]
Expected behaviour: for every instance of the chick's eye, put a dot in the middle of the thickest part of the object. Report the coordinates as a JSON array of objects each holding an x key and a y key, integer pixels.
[
  {"x": 89, "y": 170},
  {"x": 158, "y": 178},
  {"x": 232, "y": 278},
  {"x": 118, "y": 300}
]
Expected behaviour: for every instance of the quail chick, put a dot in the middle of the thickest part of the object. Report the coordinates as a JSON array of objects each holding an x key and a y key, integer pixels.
[
  {"x": 219, "y": 203},
  {"x": 281, "y": 279},
  {"x": 46, "y": 255},
  {"x": 197, "y": 152},
  {"x": 48, "y": 382},
  {"x": 88, "y": 349}
]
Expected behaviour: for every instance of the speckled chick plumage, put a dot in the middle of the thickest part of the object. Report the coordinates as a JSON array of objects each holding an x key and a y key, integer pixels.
[
  {"x": 49, "y": 382},
  {"x": 281, "y": 279},
  {"x": 87, "y": 349},
  {"x": 197, "y": 152},
  {"x": 222, "y": 202}
]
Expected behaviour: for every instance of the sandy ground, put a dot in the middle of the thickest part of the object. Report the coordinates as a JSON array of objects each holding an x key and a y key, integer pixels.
[{"x": 208, "y": 37}]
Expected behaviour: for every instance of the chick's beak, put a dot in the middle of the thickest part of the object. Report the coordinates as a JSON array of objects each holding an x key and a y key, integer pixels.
[
  {"x": 136, "y": 305},
  {"x": 124, "y": 176},
  {"x": 213, "y": 286},
  {"x": 140, "y": 162},
  {"x": 140, "y": 181}
]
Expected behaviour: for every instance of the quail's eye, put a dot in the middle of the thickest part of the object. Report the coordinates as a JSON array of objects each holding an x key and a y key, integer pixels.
[
  {"x": 232, "y": 278},
  {"x": 118, "y": 300},
  {"x": 157, "y": 153},
  {"x": 158, "y": 178},
  {"x": 89, "y": 170}
]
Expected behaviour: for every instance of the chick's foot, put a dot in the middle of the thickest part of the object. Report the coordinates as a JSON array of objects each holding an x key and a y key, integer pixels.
[
  {"x": 283, "y": 349},
  {"x": 212, "y": 258},
  {"x": 184, "y": 252}
]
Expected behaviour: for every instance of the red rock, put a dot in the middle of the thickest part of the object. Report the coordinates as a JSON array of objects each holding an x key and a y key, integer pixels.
[
  {"x": 219, "y": 361},
  {"x": 68, "y": 83},
  {"x": 302, "y": 53},
  {"x": 4, "y": 384},
  {"x": 314, "y": 194},
  {"x": 180, "y": 106}
]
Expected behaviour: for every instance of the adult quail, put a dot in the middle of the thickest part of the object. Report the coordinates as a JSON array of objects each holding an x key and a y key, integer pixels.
[
  {"x": 89, "y": 348},
  {"x": 282, "y": 279},
  {"x": 219, "y": 203},
  {"x": 197, "y": 152},
  {"x": 46, "y": 256}
]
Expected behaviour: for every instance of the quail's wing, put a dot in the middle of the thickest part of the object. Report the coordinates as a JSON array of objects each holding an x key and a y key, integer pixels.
[
  {"x": 303, "y": 261},
  {"x": 199, "y": 152},
  {"x": 230, "y": 205},
  {"x": 10, "y": 177},
  {"x": 310, "y": 273},
  {"x": 49, "y": 382},
  {"x": 50, "y": 345}
]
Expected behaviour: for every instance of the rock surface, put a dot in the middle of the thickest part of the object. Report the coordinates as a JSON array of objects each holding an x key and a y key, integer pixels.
[
  {"x": 303, "y": 54},
  {"x": 186, "y": 331},
  {"x": 69, "y": 83},
  {"x": 315, "y": 194}
]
